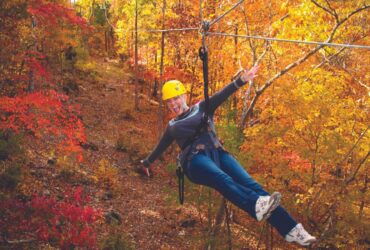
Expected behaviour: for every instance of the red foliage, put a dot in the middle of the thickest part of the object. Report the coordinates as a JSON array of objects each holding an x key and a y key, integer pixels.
[
  {"x": 148, "y": 75},
  {"x": 43, "y": 113},
  {"x": 48, "y": 14},
  {"x": 65, "y": 223},
  {"x": 37, "y": 68},
  {"x": 175, "y": 73},
  {"x": 34, "y": 61},
  {"x": 296, "y": 162}
]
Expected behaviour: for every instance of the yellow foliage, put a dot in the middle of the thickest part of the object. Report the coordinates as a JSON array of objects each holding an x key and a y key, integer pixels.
[
  {"x": 107, "y": 175},
  {"x": 86, "y": 65}
]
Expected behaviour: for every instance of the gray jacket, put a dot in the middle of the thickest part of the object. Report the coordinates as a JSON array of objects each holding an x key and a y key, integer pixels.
[{"x": 185, "y": 125}]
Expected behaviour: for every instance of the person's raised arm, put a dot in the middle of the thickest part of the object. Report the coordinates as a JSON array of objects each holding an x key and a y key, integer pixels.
[
  {"x": 162, "y": 145},
  {"x": 218, "y": 98}
]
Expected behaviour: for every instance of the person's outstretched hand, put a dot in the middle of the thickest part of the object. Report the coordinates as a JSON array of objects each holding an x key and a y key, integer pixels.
[
  {"x": 145, "y": 169},
  {"x": 248, "y": 75}
]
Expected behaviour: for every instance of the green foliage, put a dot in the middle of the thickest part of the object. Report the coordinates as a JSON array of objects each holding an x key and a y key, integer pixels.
[
  {"x": 133, "y": 144},
  {"x": 10, "y": 177},
  {"x": 195, "y": 194},
  {"x": 171, "y": 167},
  {"x": 99, "y": 14},
  {"x": 172, "y": 193},
  {"x": 84, "y": 62},
  {"x": 116, "y": 241},
  {"x": 9, "y": 145},
  {"x": 231, "y": 136}
]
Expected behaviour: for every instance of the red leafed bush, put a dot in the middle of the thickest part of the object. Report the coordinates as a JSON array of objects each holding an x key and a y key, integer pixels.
[
  {"x": 33, "y": 60},
  {"x": 48, "y": 14},
  {"x": 44, "y": 114},
  {"x": 171, "y": 73},
  {"x": 296, "y": 162},
  {"x": 66, "y": 223},
  {"x": 147, "y": 75}
]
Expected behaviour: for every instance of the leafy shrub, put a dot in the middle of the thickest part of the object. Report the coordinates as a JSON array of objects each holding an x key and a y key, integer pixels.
[
  {"x": 11, "y": 176},
  {"x": 116, "y": 241},
  {"x": 45, "y": 115},
  {"x": 106, "y": 174},
  {"x": 9, "y": 145},
  {"x": 68, "y": 169},
  {"x": 66, "y": 223}
]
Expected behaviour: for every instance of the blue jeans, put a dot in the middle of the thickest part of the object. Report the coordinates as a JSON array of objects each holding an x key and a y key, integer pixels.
[{"x": 236, "y": 185}]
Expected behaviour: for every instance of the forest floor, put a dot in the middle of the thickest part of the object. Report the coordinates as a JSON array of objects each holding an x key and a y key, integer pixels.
[
  {"x": 146, "y": 209},
  {"x": 138, "y": 212},
  {"x": 149, "y": 214}
]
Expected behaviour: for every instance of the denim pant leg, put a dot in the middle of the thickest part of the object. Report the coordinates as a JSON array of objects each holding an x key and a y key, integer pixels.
[
  {"x": 202, "y": 170},
  {"x": 280, "y": 218}
]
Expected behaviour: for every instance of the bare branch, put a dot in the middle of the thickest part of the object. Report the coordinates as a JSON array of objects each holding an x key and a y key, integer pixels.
[
  {"x": 354, "y": 173},
  {"x": 283, "y": 17},
  {"x": 289, "y": 67},
  {"x": 333, "y": 10},
  {"x": 251, "y": 45},
  {"x": 326, "y": 60},
  {"x": 322, "y": 7},
  {"x": 268, "y": 46},
  {"x": 353, "y": 13},
  {"x": 354, "y": 146},
  {"x": 329, "y": 226},
  {"x": 355, "y": 78}
]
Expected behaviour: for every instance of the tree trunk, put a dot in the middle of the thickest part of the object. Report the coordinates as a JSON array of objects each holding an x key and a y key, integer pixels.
[
  {"x": 31, "y": 84},
  {"x": 105, "y": 42},
  {"x": 217, "y": 226},
  {"x": 136, "y": 62},
  {"x": 155, "y": 85},
  {"x": 161, "y": 111},
  {"x": 229, "y": 237},
  {"x": 363, "y": 201}
]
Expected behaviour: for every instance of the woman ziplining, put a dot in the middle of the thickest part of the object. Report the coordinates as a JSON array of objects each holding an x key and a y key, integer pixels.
[{"x": 205, "y": 161}]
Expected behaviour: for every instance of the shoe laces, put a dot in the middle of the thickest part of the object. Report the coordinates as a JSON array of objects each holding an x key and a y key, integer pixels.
[
  {"x": 262, "y": 203},
  {"x": 301, "y": 233}
]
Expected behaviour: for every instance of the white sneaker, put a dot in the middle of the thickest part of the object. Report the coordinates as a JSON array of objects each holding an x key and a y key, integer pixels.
[
  {"x": 299, "y": 235},
  {"x": 266, "y": 204}
]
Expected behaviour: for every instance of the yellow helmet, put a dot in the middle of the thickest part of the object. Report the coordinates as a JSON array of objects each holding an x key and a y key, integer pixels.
[{"x": 172, "y": 89}]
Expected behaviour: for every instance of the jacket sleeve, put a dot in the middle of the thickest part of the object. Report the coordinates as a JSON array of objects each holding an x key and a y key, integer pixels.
[
  {"x": 162, "y": 145},
  {"x": 218, "y": 98}
]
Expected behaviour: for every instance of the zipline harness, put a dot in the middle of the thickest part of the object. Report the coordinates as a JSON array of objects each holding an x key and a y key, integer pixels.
[{"x": 203, "y": 55}]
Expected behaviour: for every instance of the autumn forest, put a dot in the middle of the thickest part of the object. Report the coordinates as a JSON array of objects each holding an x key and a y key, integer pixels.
[{"x": 81, "y": 105}]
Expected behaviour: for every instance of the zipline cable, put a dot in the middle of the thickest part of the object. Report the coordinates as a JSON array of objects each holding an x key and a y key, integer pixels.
[
  {"x": 224, "y": 14},
  {"x": 353, "y": 46},
  {"x": 170, "y": 30}
]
